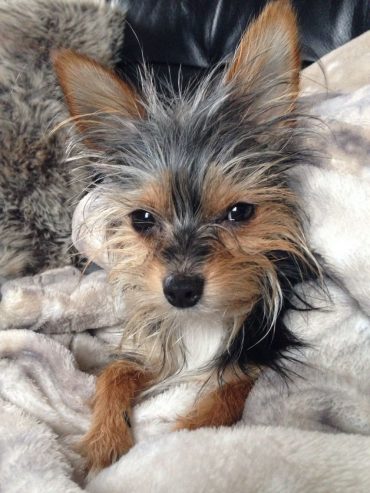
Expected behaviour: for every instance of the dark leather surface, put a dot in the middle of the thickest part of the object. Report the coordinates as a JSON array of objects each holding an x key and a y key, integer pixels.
[{"x": 198, "y": 33}]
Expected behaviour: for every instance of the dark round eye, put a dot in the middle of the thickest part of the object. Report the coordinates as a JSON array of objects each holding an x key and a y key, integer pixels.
[
  {"x": 142, "y": 221},
  {"x": 240, "y": 212}
]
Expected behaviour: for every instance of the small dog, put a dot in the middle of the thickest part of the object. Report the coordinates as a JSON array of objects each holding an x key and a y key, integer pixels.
[{"x": 201, "y": 225}]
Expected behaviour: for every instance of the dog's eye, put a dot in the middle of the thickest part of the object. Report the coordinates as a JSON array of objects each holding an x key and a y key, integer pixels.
[
  {"x": 142, "y": 221},
  {"x": 240, "y": 212}
]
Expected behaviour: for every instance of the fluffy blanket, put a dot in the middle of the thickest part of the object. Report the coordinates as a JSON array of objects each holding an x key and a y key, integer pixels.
[
  {"x": 311, "y": 434},
  {"x": 38, "y": 189}
]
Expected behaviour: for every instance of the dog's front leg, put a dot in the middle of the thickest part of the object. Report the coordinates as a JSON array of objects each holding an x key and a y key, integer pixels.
[
  {"x": 110, "y": 434},
  {"x": 221, "y": 407}
]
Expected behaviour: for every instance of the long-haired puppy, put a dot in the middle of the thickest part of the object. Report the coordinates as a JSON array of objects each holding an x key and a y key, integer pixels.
[{"x": 202, "y": 228}]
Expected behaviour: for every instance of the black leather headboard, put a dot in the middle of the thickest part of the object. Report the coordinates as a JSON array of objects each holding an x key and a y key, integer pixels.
[{"x": 197, "y": 33}]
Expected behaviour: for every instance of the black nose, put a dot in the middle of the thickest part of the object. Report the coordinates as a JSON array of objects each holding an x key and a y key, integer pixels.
[{"x": 183, "y": 291}]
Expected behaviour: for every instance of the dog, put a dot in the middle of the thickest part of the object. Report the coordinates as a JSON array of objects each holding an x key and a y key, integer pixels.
[{"x": 201, "y": 223}]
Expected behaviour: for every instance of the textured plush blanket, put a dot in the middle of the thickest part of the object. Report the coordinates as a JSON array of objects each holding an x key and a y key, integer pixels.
[{"x": 310, "y": 435}]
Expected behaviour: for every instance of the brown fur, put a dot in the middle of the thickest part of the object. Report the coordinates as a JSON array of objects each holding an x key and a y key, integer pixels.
[
  {"x": 110, "y": 433},
  {"x": 244, "y": 250},
  {"x": 222, "y": 407}
]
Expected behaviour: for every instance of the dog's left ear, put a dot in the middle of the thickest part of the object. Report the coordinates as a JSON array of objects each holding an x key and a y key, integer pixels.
[{"x": 265, "y": 67}]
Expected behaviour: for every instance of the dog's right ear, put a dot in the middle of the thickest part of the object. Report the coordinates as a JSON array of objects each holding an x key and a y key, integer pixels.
[
  {"x": 266, "y": 64},
  {"x": 93, "y": 93}
]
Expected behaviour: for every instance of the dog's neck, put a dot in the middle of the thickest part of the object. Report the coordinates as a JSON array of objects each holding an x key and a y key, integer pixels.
[
  {"x": 190, "y": 356},
  {"x": 202, "y": 341}
]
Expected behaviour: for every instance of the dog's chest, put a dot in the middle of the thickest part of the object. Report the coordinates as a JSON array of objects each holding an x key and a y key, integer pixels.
[{"x": 201, "y": 341}]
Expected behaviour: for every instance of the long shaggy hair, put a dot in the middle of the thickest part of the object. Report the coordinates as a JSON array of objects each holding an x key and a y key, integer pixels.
[
  {"x": 188, "y": 160},
  {"x": 38, "y": 189}
]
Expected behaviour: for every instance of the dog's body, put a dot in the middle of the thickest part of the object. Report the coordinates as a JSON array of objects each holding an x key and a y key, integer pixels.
[{"x": 202, "y": 228}]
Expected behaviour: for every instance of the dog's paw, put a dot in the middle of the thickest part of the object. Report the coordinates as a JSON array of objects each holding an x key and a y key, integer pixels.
[{"x": 104, "y": 444}]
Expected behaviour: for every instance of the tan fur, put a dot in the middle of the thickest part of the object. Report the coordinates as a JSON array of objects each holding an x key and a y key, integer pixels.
[
  {"x": 156, "y": 196},
  {"x": 237, "y": 270},
  {"x": 110, "y": 433},
  {"x": 221, "y": 407}
]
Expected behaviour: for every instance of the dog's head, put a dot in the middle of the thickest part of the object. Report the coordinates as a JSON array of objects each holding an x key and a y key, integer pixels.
[{"x": 199, "y": 218}]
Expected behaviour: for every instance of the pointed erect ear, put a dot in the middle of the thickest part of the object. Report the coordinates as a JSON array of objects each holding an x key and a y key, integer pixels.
[
  {"x": 266, "y": 64},
  {"x": 93, "y": 92}
]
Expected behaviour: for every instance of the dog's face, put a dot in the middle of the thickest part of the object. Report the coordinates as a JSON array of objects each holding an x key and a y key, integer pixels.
[{"x": 198, "y": 216}]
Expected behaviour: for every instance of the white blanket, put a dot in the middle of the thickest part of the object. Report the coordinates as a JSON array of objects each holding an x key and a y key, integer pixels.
[{"x": 311, "y": 435}]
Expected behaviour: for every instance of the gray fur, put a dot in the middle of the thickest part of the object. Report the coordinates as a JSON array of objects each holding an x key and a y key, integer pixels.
[
  {"x": 209, "y": 122},
  {"x": 37, "y": 188}
]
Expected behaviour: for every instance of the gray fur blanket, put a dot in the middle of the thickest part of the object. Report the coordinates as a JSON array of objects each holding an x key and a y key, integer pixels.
[
  {"x": 312, "y": 435},
  {"x": 38, "y": 189}
]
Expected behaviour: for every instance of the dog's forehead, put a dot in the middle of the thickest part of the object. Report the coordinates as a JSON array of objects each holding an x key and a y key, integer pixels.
[
  {"x": 172, "y": 193},
  {"x": 195, "y": 163},
  {"x": 180, "y": 193}
]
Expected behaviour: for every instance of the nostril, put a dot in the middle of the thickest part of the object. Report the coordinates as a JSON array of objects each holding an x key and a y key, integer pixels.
[{"x": 183, "y": 291}]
